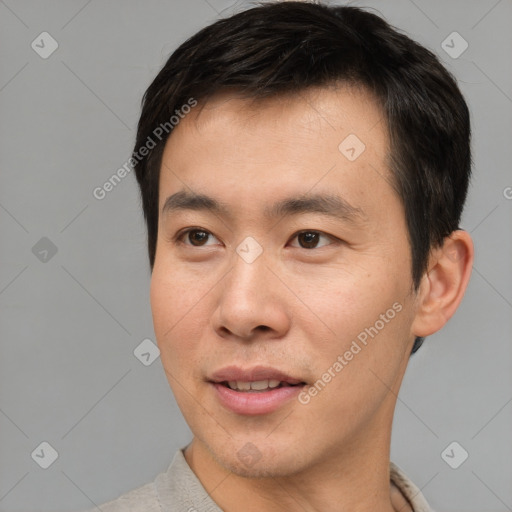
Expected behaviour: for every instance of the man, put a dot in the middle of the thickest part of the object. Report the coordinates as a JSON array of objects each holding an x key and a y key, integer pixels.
[{"x": 303, "y": 170}]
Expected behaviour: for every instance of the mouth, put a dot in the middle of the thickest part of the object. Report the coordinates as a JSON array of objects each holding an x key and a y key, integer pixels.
[
  {"x": 254, "y": 391},
  {"x": 258, "y": 386}
]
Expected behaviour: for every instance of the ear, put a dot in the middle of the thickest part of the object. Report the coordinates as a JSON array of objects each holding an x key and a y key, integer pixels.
[{"x": 444, "y": 284}]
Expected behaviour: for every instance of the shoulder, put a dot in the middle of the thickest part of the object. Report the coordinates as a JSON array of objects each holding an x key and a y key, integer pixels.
[
  {"x": 142, "y": 499},
  {"x": 178, "y": 488}
]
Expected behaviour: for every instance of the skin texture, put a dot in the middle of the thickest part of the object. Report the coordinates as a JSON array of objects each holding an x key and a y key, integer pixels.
[{"x": 298, "y": 306}]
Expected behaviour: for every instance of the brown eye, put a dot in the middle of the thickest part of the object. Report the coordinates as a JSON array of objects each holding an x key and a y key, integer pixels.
[
  {"x": 310, "y": 239},
  {"x": 197, "y": 237}
]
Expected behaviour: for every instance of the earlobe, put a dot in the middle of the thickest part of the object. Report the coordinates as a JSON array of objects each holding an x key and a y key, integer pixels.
[{"x": 444, "y": 284}]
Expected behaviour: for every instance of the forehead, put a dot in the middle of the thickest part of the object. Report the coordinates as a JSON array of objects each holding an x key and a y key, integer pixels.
[
  {"x": 341, "y": 105},
  {"x": 328, "y": 139}
]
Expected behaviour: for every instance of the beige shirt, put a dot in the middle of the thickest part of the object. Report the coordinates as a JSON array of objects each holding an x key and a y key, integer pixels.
[{"x": 179, "y": 490}]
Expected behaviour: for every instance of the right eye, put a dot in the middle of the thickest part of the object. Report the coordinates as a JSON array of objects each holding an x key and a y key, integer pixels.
[{"x": 193, "y": 235}]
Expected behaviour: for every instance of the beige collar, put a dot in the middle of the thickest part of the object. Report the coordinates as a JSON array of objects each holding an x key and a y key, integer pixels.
[{"x": 405, "y": 496}]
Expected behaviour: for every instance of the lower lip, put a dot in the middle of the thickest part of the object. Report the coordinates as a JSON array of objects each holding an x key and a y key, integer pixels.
[{"x": 258, "y": 402}]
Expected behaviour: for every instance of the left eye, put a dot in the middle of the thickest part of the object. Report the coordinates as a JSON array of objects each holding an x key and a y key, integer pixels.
[
  {"x": 198, "y": 238},
  {"x": 310, "y": 239}
]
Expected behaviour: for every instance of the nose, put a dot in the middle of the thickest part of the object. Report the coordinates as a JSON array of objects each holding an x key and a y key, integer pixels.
[{"x": 251, "y": 302}]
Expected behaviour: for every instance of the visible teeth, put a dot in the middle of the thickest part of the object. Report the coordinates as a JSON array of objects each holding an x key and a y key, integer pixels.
[{"x": 258, "y": 385}]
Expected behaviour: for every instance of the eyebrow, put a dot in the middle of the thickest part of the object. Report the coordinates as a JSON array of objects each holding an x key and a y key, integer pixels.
[{"x": 325, "y": 204}]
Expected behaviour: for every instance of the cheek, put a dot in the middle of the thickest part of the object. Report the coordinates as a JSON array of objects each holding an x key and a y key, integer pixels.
[
  {"x": 348, "y": 302},
  {"x": 163, "y": 304},
  {"x": 174, "y": 291},
  {"x": 175, "y": 302},
  {"x": 358, "y": 375},
  {"x": 365, "y": 319},
  {"x": 177, "y": 314}
]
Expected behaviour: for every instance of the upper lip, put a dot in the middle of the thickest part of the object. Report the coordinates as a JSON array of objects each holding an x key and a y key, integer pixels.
[{"x": 256, "y": 373}]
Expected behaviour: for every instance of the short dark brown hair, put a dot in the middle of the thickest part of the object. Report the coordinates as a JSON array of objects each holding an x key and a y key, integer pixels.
[{"x": 282, "y": 48}]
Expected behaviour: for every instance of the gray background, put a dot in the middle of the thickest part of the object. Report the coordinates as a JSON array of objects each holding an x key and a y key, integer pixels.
[{"x": 70, "y": 322}]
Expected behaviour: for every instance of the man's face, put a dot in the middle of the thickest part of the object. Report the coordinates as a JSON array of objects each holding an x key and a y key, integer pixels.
[{"x": 323, "y": 299}]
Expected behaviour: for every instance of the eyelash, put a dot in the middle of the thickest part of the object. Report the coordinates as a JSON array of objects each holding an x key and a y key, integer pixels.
[{"x": 181, "y": 234}]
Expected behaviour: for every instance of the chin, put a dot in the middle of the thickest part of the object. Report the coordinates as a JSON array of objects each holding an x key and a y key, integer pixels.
[{"x": 258, "y": 459}]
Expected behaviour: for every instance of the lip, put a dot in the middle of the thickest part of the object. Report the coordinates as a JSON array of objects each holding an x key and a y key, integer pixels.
[
  {"x": 252, "y": 374},
  {"x": 254, "y": 403},
  {"x": 258, "y": 402}
]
